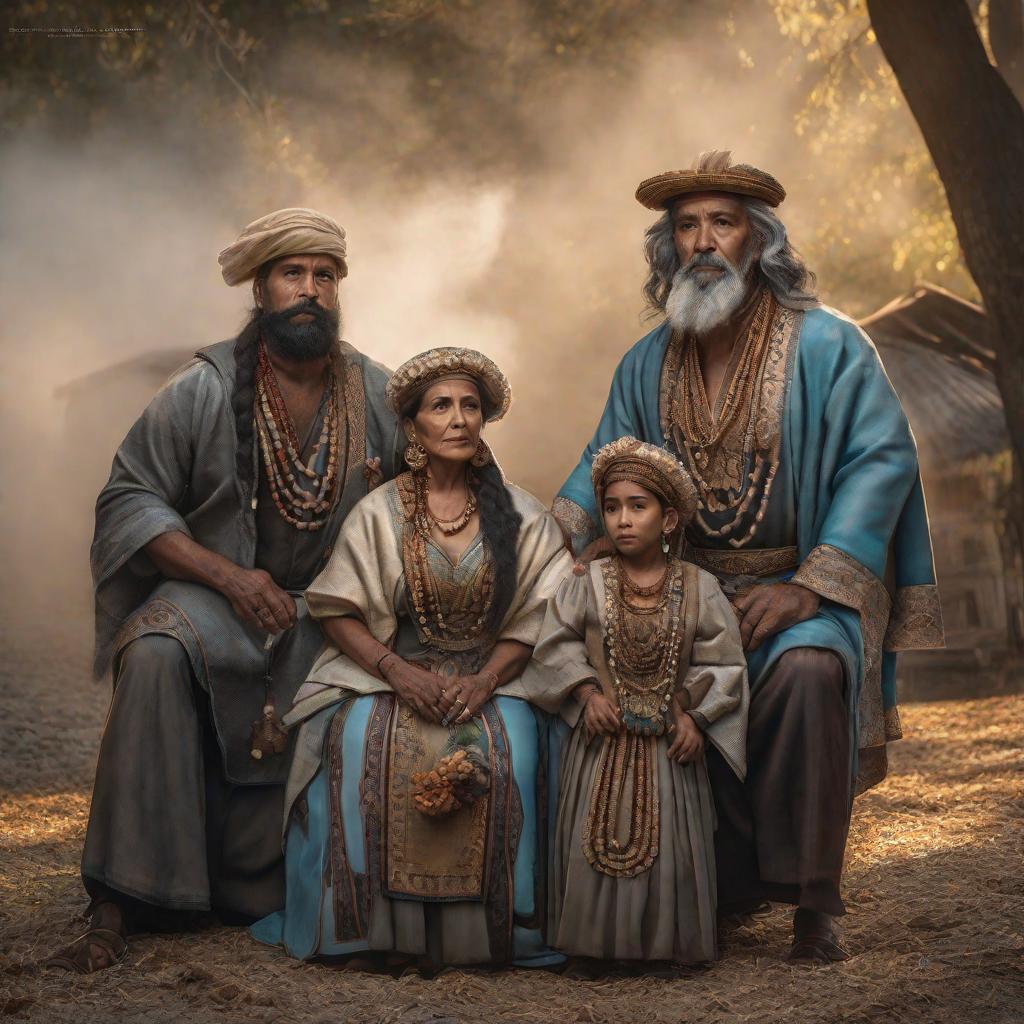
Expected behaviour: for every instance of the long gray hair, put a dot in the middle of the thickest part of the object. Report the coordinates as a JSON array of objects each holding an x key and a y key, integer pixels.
[{"x": 779, "y": 264}]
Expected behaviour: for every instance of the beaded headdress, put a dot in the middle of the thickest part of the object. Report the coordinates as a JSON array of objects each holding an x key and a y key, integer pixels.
[
  {"x": 651, "y": 467},
  {"x": 415, "y": 375},
  {"x": 711, "y": 172}
]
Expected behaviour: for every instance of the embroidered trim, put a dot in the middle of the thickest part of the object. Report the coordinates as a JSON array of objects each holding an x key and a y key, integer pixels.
[
  {"x": 839, "y": 577},
  {"x": 893, "y": 725},
  {"x": 161, "y": 616},
  {"x": 581, "y": 527},
  {"x": 355, "y": 423},
  {"x": 916, "y": 621},
  {"x": 350, "y": 889},
  {"x": 504, "y": 829},
  {"x": 761, "y": 562},
  {"x": 873, "y": 766}
]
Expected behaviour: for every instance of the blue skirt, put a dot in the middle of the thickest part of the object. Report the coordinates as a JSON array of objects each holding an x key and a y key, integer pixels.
[{"x": 341, "y": 895}]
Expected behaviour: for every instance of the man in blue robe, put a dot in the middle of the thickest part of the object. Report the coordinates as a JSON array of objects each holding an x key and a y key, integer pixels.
[
  {"x": 811, "y": 516},
  {"x": 223, "y": 503}
]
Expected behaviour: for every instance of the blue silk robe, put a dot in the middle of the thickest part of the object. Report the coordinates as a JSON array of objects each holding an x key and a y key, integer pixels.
[{"x": 847, "y": 496}]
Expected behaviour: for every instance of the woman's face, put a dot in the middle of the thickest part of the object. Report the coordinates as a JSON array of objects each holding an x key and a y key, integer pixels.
[
  {"x": 448, "y": 421},
  {"x": 634, "y": 519}
]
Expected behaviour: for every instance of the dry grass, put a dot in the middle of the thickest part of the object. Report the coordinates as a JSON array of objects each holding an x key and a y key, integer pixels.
[{"x": 933, "y": 882}]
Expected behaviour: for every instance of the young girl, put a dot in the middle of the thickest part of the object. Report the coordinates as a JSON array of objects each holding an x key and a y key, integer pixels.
[{"x": 654, "y": 649}]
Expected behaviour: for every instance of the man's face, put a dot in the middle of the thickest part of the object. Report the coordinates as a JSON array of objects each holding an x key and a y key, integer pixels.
[
  {"x": 710, "y": 222},
  {"x": 297, "y": 279},
  {"x": 298, "y": 315}
]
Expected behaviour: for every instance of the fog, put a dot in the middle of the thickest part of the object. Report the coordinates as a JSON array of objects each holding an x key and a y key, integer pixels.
[{"x": 109, "y": 251}]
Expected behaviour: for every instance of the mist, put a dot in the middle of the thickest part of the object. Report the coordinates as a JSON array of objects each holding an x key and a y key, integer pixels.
[{"x": 110, "y": 243}]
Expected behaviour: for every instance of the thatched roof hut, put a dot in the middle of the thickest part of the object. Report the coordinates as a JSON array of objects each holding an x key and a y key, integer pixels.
[{"x": 930, "y": 343}]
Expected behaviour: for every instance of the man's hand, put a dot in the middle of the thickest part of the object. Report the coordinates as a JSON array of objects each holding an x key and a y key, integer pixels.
[
  {"x": 417, "y": 686},
  {"x": 258, "y": 600},
  {"x": 600, "y": 717},
  {"x": 770, "y": 608},
  {"x": 594, "y": 550},
  {"x": 687, "y": 740},
  {"x": 254, "y": 596}
]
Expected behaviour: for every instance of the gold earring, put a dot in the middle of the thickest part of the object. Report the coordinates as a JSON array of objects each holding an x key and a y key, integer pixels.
[
  {"x": 482, "y": 456},
  {"x": 415, "y": 455}
]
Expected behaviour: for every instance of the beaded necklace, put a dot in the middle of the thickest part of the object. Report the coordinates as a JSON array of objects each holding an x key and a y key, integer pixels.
[
  {"x": 449, "y": 616},
  {"x": 643, "y": 646},
  {"x": 731, "y": 464},
  {"x": 449, "y": 527},
  {"x": 305, "y": 509}
]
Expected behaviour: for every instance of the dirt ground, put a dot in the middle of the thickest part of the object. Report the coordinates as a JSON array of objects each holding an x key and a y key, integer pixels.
[{"x": 934, "y": 885}]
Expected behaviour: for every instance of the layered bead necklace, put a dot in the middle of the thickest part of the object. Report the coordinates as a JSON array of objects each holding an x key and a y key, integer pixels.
[
  {"x": 305, "y": 508},
  {"x": 448, "y": 616},
  {"x": 732, "y": 465},
  {"x": 643, "y": 644},
  {"x": 425, "y": 519}
]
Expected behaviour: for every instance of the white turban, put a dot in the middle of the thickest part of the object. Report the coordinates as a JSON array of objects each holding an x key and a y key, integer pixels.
[{"x": 283, "y": 233}]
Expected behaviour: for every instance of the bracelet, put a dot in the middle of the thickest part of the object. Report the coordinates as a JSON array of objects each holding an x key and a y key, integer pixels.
[
  {"x": 585, "y": 690},
  {"x": 491, "y": 677},
  {"x": 386, "y": 654}
]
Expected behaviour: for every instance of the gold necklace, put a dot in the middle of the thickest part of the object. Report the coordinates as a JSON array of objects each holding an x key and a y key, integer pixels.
[
  {"x": 634, "y": 588},
  {"x": 643, "y": 648},
  {"x": 450, "y": 527},
  {"x": 731, "y": 465},
  {"x": 449, "y": 614}
]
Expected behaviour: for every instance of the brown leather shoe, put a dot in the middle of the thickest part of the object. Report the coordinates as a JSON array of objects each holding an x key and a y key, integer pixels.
[{"x": 814, "y": 940}]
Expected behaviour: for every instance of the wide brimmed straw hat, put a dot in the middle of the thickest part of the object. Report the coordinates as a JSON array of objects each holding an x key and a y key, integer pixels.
[
  {"x": 711, "y": 172},
  {"x": 415, "y": 375},
  {"x": 651, "y": 467}
]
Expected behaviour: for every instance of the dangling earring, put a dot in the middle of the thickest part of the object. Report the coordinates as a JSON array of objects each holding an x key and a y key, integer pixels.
[
  {"x": 415, "y": 455},
  {"x": 482, "y": 456},
  {"x": 664, "y": 543}
]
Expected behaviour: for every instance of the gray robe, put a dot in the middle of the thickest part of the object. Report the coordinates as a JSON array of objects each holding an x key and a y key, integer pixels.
[{"x": 175, "y": 471}]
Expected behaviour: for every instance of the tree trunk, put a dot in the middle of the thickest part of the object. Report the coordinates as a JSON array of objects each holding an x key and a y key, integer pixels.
[
  {"x": 1006, "y": 37},
  {"x": 973, "y": 126}
]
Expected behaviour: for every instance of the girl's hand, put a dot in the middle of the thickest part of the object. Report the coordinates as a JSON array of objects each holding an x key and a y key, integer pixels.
[
  {"x": 600, "y": 717},
  {"x": 687, "y": 743}
]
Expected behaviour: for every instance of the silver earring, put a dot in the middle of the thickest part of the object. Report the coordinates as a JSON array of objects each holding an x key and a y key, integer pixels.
[{"x": 664, "y": 543}]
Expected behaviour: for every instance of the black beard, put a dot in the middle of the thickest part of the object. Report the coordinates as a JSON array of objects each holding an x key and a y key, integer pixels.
[{"x": 300, "y": 342}]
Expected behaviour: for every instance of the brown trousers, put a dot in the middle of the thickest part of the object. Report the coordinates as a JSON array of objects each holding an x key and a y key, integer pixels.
[{"x": 782, "y": 833}]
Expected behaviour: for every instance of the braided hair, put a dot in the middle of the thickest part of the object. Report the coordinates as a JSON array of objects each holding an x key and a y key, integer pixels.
[
  {"x": 499, "y": 523},
  {"x": 243, "y": 397}
]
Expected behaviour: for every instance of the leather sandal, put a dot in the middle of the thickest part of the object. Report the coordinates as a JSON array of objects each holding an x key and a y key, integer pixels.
[{"x": 78, "y": 956}]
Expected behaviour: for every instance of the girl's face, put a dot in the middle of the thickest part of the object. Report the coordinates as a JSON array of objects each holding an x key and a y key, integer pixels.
[{"x": 634, "y": 518}]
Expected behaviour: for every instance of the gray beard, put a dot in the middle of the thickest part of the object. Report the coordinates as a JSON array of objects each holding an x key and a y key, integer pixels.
[{"x": 696, "y": 306}]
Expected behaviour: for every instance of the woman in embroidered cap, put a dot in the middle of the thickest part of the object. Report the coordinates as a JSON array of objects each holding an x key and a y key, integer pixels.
[
  {"x": 412, "y": 799},
  {"x": 653, "y": 652}
]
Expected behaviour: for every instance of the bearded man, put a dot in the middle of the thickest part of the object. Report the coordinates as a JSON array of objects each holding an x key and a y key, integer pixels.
[
  {"x": 222, "y": 505},
  {"x": 810, "y": 498}
]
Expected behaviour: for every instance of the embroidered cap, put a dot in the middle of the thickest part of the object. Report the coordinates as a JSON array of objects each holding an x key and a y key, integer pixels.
[
  {"x": 651, "y": 467},
  {"x": 415, "y": 375}
]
